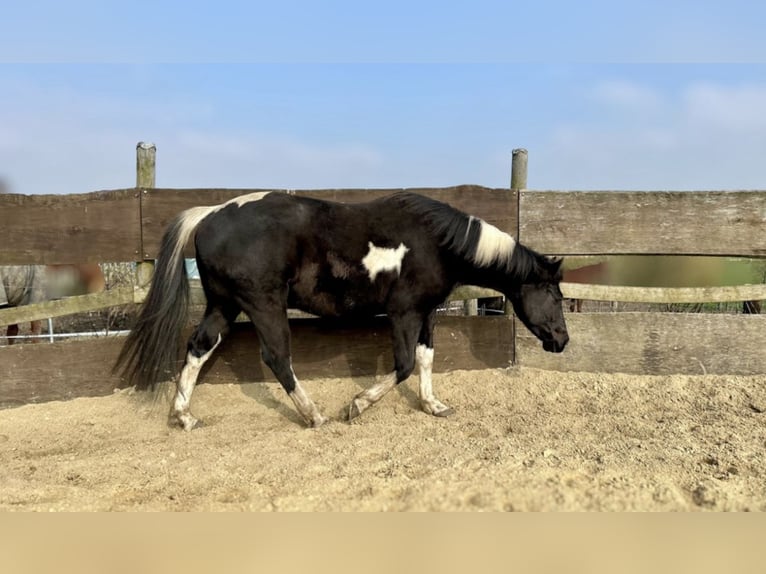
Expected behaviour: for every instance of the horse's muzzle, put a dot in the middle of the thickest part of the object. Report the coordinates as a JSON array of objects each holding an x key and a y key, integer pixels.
[{"x": 554, "y": 346}]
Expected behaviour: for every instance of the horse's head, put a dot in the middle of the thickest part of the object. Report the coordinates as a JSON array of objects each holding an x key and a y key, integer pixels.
[{"x": 538, "y": 304}]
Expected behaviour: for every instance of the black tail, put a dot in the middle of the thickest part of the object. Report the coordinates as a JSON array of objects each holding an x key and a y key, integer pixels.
[{"x": 150, "y": 352}]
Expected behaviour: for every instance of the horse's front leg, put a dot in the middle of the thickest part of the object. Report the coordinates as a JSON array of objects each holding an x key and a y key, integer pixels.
[
  {"x": 404, "y": 331},
  {"x": 429, "y": 403},
  {"x": 424, "y": 353}
]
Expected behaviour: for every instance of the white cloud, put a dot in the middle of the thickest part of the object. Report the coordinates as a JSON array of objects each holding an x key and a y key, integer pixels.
[
  {"x": 705, "y": 136},
  {"x": 730, "y": 109},
  {"x": 59, "y": 141},
  {"x": 196, "y": 158},
  {"x": 627, "y": 95}
]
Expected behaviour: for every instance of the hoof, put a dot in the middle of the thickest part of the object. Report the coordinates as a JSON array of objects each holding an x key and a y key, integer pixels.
[
  {"x": 186, "y": 421},
  {"x": 317, "y": 422},
  {"x": 354, "y": 410},
  {"x": 436, "y": 408}
]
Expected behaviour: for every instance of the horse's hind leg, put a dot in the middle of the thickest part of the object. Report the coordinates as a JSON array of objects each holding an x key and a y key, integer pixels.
[
  {"x": 206, "y": 337},
  {"x": 274, "y": 334}
]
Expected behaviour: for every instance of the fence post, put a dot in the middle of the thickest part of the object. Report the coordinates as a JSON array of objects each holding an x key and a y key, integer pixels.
[
  {"x": 518, "y": 182},
  {"x": 519, "y": 169},
  {"x": 471, "y": 307},
  {"x": 146, "y": 160}
]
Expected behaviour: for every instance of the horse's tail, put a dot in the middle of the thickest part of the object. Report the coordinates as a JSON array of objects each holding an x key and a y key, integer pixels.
[{"x": 150, "y": 351}]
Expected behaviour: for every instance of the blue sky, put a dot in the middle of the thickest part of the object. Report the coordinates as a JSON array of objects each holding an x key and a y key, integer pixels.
[{"x": 604, "y": 95}]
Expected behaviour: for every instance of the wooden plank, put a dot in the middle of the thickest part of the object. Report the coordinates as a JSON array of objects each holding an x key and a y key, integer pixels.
[
  {"x": 663, "y": 294},
  {"x": 654, "y": 344},
  {"x": 67, "y": 306},
  {"x": 159, "y": 206},
  {"x": 472, "y": 292},
  {"x": 79, "y": 228},
  {"x": 124, "y": 295},
  {"x": 649, "y": 223},
  {"x": 65, "y": 370},
  {"x": 197, "y": 295},
  {"x": 496, "y": 206},
  {"x": 36, "y": 373}
]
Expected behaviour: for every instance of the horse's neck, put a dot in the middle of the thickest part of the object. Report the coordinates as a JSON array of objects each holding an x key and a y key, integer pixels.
[
  {"x": 491, "y": 277},
  {"x": 503, "y": 274}
]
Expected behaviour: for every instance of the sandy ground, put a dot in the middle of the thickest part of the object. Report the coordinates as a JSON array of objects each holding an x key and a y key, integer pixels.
[{"x": 519, "y": 440}]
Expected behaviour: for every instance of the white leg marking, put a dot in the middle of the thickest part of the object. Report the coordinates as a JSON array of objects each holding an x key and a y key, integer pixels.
[
  {"x": 494, "y": 246},
  {"x": 369, "y": 397},
  {"x": 425, "y": 358},
  {"x": 305, "y": 405},
  {"x": 380, "y": 259},
  {"x": 185, "y": 387}
]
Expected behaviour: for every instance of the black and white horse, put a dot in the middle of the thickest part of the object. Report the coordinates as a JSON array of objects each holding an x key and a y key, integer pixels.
[{"x": 266, "y": 252}]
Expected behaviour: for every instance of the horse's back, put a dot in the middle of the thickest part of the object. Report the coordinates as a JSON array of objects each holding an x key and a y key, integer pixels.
[
  {"x": 335, "y": 258},
  {"x": 283, "y": 223}
]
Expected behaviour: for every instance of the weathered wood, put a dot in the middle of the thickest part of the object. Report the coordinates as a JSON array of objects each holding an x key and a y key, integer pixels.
[
  {"x": 57, "y": 371},
  {"x": 649, "y": 223},
  {"x": 146, "y": 162},
  {"x": 67, "y": 306},
  {"x": 519, "y": 162},
  {"x": 496, "y": 206},
  {"x": 79, "y": 228},
  {"x": 66, "y": 370},
  {"x": 125, "y": 295},
  {"x": 472, "y": 292},
  {"x": 470, "y": 307},
  {"x": 332, "y": 349},
  {"x": 159, "y": 206},
  {"x": 519, "y": 169},
  {"x": 664, "y": 294},
  {"x": 144, "y": 273},
  {"x": 654, "y": 344}
]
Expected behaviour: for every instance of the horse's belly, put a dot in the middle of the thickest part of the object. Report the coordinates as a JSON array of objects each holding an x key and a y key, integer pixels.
[{"x": 344, "y": 300}]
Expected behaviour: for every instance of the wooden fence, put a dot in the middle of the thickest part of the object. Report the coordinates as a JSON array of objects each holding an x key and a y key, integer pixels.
[{"x": 126, "y": 225}]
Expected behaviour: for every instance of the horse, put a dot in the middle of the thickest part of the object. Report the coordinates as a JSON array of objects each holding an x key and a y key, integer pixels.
[
  {"x": 22, "y": 285},
  {"x": 262, "y": 253},
  {"x": 599, "y": 273},
  {"x": 595, "y": 273},
  {"x": 28, "y": 284}
]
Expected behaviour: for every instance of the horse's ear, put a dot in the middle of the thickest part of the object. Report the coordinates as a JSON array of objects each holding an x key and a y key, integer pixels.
[
  {"x": 554, "y": 266},
  {"x": 555, "y": 263}
]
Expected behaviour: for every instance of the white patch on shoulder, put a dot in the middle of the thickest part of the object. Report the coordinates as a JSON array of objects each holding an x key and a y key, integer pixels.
[
  {"x": 494, "y": 246},
  {"x": 380, "y": 259}
]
